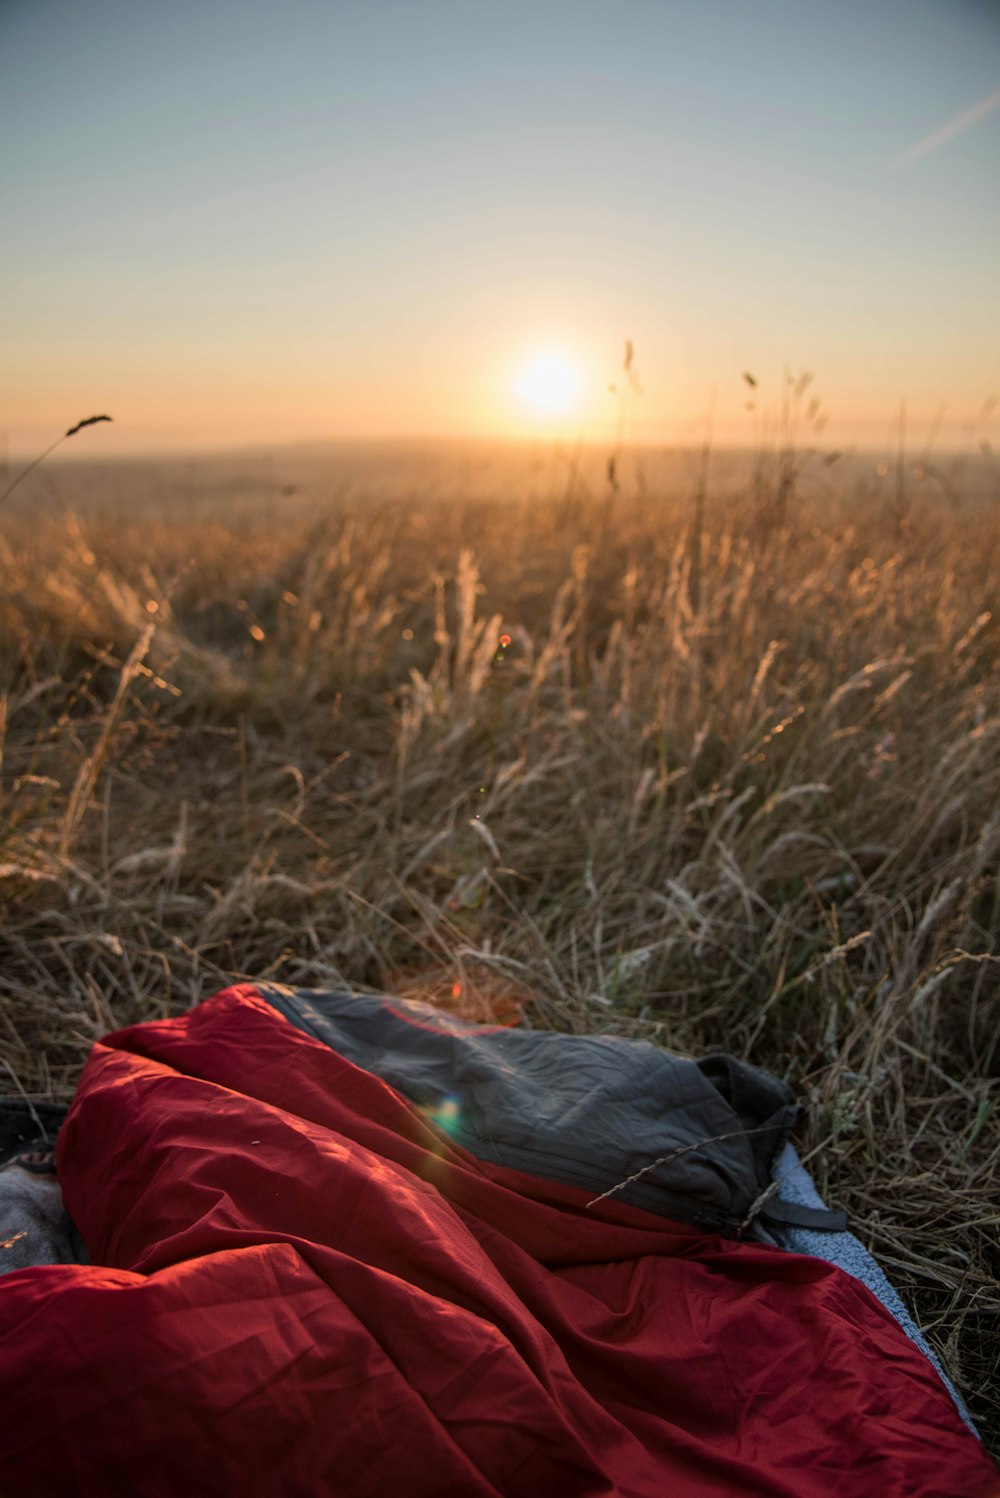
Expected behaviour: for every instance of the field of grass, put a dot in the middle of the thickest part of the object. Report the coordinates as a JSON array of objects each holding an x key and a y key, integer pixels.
[{"x": 581, "y": 763}]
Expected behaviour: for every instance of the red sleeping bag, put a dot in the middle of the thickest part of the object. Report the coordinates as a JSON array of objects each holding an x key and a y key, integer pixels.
[{"x": 300, "y": 1286}]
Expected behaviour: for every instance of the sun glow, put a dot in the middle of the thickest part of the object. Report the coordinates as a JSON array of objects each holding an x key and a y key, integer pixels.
[{"x": 551, "y": 385}]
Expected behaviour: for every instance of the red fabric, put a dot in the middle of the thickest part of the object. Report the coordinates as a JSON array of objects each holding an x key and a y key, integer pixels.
[{"x": 301, "y": 1287}]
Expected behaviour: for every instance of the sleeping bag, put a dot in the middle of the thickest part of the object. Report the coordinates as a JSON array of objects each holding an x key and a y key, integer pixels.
[{"x": 343, "y": 1245}]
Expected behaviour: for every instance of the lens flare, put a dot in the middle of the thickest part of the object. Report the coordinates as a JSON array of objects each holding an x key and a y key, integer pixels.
[{"x": 445, "y": 1114}]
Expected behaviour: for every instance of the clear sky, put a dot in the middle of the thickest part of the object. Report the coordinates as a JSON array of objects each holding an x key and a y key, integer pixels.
[{"x": 273, "y": 219}]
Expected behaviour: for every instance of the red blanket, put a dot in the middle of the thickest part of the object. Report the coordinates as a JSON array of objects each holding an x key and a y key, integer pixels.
[{"x": 300, "y": 1286}]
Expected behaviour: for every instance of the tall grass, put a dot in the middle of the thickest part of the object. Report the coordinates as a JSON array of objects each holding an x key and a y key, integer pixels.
[{"x": 734, "y": 786}]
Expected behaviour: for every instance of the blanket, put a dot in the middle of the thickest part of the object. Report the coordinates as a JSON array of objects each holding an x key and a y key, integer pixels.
[{"x": 303, "y": 1281}]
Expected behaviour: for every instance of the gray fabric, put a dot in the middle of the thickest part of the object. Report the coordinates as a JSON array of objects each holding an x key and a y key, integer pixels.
[
  {"x": 587, "y": 1111},
  {"x": 34, "y": 1226},
  {"x": 849, "y": 1254}
]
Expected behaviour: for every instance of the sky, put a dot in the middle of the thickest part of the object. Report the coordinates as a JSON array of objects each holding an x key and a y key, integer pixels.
[{"x": 258, "y": 222}]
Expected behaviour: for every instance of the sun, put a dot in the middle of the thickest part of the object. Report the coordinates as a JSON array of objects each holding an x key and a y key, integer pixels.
[{"x": 551, "y": 385}]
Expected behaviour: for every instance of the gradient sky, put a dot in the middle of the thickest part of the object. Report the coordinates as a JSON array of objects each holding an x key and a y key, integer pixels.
[{"x": 259, "y": 221}]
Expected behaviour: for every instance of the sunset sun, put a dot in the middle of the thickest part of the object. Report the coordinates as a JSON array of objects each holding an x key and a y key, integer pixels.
[{"x": 550, "y": 385}]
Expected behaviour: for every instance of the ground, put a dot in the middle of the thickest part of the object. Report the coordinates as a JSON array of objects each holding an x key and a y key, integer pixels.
[{"x": 723, "y": 777}]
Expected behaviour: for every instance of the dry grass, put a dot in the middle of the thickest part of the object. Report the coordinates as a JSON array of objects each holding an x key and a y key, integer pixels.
[{"x": 769, "y": 823}]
